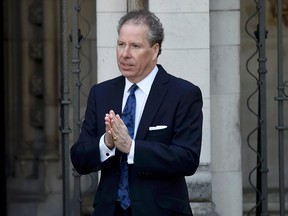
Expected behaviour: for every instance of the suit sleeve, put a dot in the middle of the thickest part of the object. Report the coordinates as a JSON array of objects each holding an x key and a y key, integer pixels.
[{"x": 85, "y": 153}]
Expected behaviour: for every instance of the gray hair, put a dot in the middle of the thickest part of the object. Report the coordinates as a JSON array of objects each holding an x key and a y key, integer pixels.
[{"x": 145, "y": 17}]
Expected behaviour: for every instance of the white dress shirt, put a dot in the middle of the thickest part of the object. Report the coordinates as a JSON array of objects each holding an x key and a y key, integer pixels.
[{"x": 141, "y": 95}]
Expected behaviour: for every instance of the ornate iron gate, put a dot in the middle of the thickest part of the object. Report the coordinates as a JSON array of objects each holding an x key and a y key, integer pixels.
[{"x": 259, "y": 36}]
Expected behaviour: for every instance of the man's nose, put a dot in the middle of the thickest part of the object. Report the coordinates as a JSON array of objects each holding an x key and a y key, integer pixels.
[{"x": 126, "y": 52}]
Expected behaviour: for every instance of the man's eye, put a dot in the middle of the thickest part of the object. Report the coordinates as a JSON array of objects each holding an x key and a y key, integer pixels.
[
  {"x": 135, "y": 46},
  {"x": 121, "y": 45}
]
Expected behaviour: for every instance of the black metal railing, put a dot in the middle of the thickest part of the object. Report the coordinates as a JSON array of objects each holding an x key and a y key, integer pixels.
[
  {"x": 64, "y": 100},
  {"x": 281, "y": 98},
  {"x": 259, "y": 36}
]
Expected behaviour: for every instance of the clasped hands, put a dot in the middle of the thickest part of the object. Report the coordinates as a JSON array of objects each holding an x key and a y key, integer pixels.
[{"x": 117, "y": 133}]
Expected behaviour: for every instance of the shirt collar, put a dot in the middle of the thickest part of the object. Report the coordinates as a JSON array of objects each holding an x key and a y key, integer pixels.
[{"x": 145, "y": 84}]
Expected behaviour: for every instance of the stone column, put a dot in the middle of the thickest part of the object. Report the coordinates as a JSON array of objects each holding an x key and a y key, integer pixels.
[
  {"x": 225, "y": 113},
  {"x": 51, "y": 127},
  {"x": 137, "y": 4},
  {"x": 186, "y": 54}
]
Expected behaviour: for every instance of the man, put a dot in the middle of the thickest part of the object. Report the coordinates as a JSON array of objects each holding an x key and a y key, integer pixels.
[{"x": 164, "y": 143}]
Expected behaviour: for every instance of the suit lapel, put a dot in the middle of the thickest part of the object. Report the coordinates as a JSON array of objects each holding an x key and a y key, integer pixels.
[
  {"x": 156, "y": 96},
  {"x": 116, "y": 94}
]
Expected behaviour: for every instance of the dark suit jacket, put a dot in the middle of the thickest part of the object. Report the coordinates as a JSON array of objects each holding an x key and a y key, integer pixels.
[{"x": 162, "y": 157}]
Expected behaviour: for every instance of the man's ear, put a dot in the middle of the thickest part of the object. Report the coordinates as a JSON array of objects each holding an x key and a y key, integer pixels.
[{"x": 156, "y": 48}]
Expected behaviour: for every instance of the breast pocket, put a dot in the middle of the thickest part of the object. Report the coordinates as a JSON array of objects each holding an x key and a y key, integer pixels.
[{"x": 161, "y": 135}]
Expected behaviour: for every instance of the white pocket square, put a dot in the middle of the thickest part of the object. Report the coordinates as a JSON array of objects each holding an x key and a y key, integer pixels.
[{"x": 158, "y": 127}]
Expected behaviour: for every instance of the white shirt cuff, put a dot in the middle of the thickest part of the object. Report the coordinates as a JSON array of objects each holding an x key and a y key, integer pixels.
[
  {"x": 105, "y": 152},
  {"x": 130, "y": 157}
]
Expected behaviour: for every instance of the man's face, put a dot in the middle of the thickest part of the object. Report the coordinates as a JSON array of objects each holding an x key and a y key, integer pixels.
[{"x": 135, "y": 58}]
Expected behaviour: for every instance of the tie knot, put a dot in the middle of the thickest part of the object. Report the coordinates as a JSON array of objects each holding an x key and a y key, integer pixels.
[{"x": 133, "y": 88}]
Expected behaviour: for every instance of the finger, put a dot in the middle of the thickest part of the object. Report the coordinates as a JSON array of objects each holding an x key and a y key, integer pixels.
[
  {"x": 122, "y": 126},
  {"x": 107, "y": 122},
  {"x": 120, "y": 121},
  {"x": 115, "y": 123},
  {"x": 107, "y": 116},
  {"x": 114, "y": 135},
  {"x": 111, "y": 114}
]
